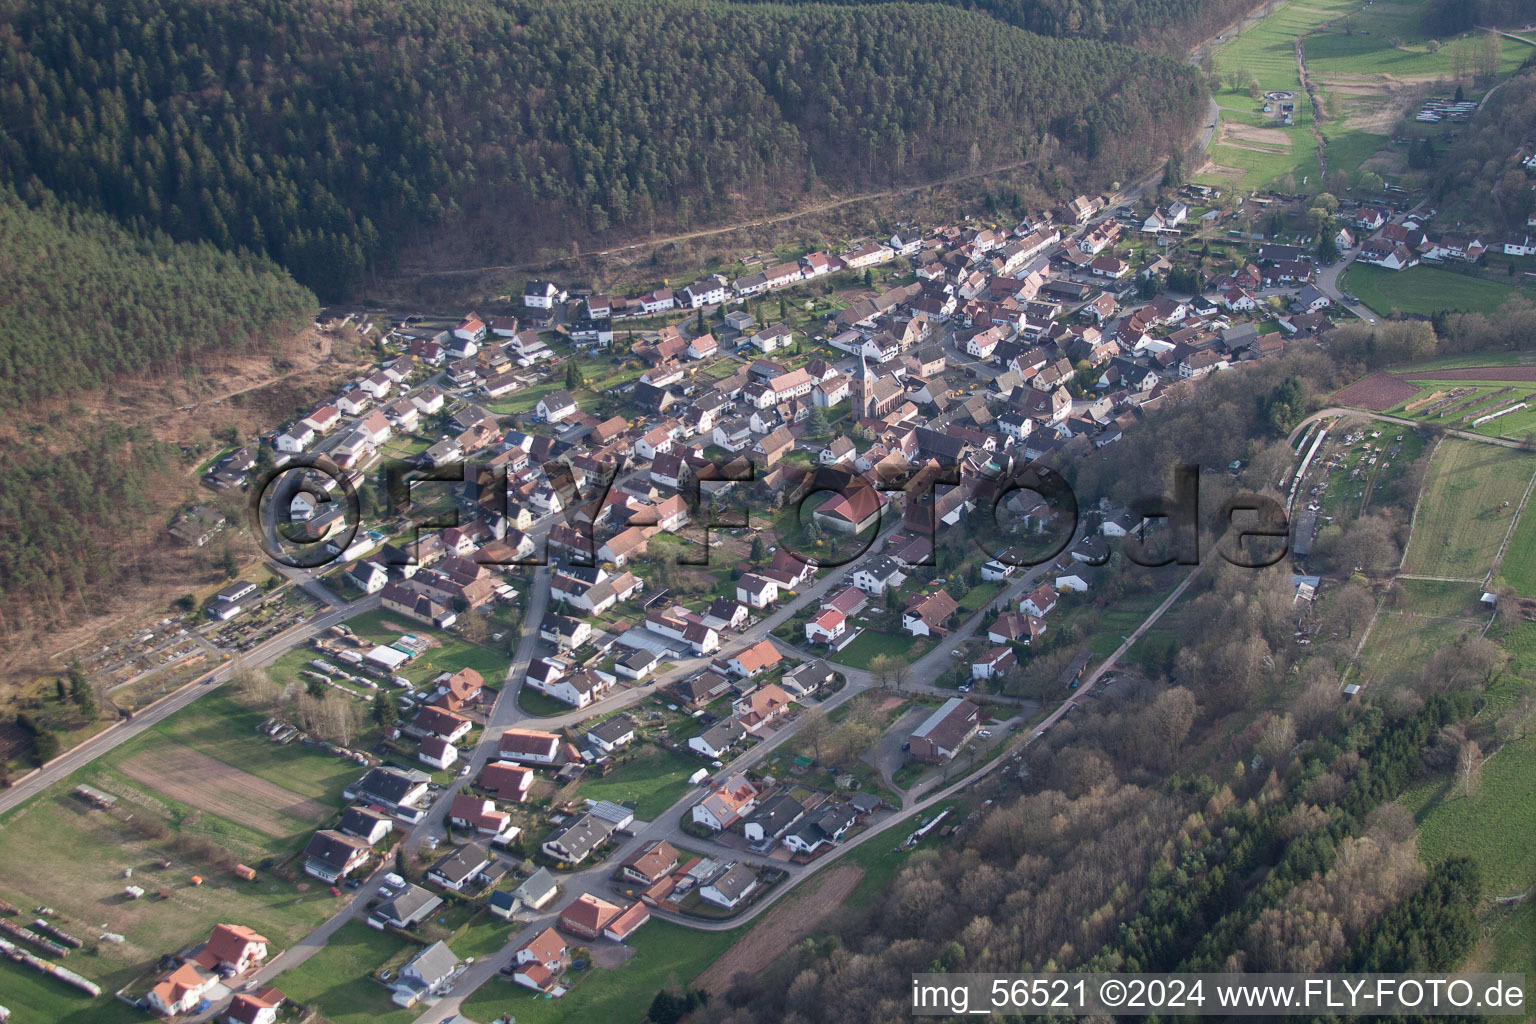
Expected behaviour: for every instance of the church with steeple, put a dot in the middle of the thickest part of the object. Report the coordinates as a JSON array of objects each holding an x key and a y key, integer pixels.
[{"x": 876, "y": 397}]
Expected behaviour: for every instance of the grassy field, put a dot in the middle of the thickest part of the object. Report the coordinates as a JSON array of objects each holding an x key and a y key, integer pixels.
[
  {"x": 31, "y": 997},
  {"x": 665, "y": 954},
  {"x": 1400, "y": 644},
  {"x": 1467, "y": 506},
  {"x": 652, "y": 779},
  {"x": 1492, "y": 826},
  {"x": 99, "y": 850},
  {"x": 1509, "y": 945},
  {"x": 1364, "y": 62},
  {"x": 338, "y": 979},
  {"x": 1424, "y": 290},
  {"x": 539, "y": 704},
  {"x": 1444, "y": 600},
  {"x": 1460, "y": 362},
  {"x": 1519, "y": 566}
]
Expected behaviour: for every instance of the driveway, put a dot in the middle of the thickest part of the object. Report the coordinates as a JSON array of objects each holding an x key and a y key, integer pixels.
[{"x": 887, "y": 755}]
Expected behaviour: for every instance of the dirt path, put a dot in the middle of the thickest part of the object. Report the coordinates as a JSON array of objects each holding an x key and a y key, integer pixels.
[
  {"x": 784, "y": 926},
  {"x": 757, "y": 222}
]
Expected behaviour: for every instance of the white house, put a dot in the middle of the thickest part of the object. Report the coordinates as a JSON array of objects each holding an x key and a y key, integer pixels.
[
  {"x": 543, "y": 295},
  {"x": 827, "y": 627},
  {"x": 295, "y": 439},
  {"x": 555, "y": 406}
]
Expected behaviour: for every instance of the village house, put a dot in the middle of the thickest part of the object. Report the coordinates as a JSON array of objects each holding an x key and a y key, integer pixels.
[
  {"x": 529, "y": 746},
  {"x": 717, "y": 741},
  {"x": 539, "y": 960},
  {"x": 993, "y": 663},
  {"x": 459, "y": 869},
  {"x": 761, "y": 707},
  {"x": 428, "y": 973},
  {"x": 929, "y": 614},
  {"x": 479, "y": 815},
  {"x": 734, "y": 798},
  {"x": 505, "y": 781},
  {"x": 752, "y": 661},
  {"x": 574, "y": 842},
  {"x": 827, "y": 627},
  {"x": 943, "y": 733},
  {"x": 729, "y": 888},
  {"x": 651, "y": 863},
  {"x": 258, "y": 1007},
  {"x": 332, "y": 856},
  {"x": 756, "y": 591}
]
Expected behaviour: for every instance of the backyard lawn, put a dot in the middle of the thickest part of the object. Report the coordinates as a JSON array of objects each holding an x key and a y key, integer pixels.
[
  {"x": 665, "y": 955},
  {"x": 652, "y": 779},
  {"x": 339, "y": 978},
  {"x": 873, "y": 642},
  {"x": 450, "y": 654}
]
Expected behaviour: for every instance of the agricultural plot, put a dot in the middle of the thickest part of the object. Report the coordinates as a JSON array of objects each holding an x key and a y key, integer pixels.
[
  {"x": 1367, "y": 64},
  {"x": 183, "y": 774},
  {"x": 1378, "y": 393},
  {"x": 1360, "y": 476},
  {"x": 210, "y": 785},
  {"x": 1490, "y": 400},
  {"x": 90, "y": 896},
  {"x": 1518, "y": 568},
  {"x": 1466, "y": 509}
]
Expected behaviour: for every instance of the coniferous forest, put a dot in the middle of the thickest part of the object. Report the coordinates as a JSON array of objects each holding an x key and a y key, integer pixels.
[
  {"x": 88, "y": 304},
  {"x": 330, "y": 137},
  {"x": 87, "y": 301},
  {"x": 1148, "y": 24}
]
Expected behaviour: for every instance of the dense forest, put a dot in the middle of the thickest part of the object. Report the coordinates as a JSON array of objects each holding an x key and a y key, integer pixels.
[
  {"x": 1149, "y": 24},
  {"x": 1480, "y": 178},
  {"x": 328, "y": 137},
  {"x": 1452, "y": 17},
  {"x": 87, "y": 301},
  {"x": 76, "y": 523}
]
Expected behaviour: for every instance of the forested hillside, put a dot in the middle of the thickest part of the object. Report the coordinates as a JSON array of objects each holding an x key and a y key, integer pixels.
[
  {"x": 75, "y": 523},
  {"x": 330, "y": 136},
  {"x": 1480, "y": 179},
  {"x": 1150, "y": 24},
  {"x": 1449, "y": 17},
  {"x": 87, "y": 301},
  {"x": 87, "y": 304}
]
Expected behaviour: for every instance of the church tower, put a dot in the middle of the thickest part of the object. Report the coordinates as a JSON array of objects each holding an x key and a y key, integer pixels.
[{"x": 866, "y": 389}]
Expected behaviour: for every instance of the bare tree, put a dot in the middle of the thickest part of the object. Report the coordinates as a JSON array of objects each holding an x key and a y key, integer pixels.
[
  {"x": 1172, "y": 715},
  {"x": 1277, "y": 739},
  {"x": 1469, "y": 767},
  {"x": 813, "y": 731},
  {"x": 1517, "y": 719}
]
